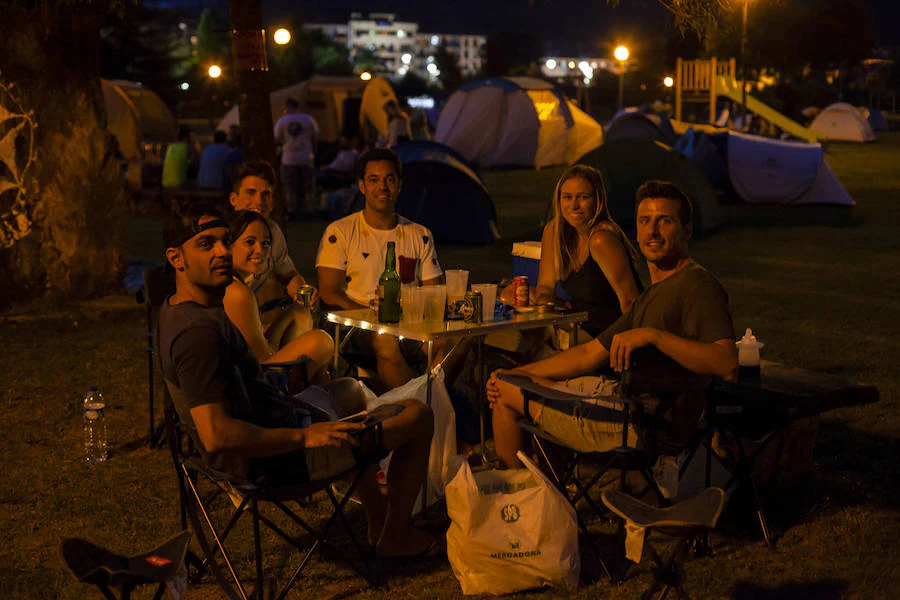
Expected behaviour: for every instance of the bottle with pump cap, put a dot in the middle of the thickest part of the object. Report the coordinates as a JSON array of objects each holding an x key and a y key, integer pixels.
[{"x": 748, "y": 356}]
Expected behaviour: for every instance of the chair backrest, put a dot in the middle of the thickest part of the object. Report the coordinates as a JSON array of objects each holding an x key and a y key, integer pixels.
[
  {"x": 234, "y": 466},
  {"x": 667, "y": 402},
  {"x": 159, "y": 283}
]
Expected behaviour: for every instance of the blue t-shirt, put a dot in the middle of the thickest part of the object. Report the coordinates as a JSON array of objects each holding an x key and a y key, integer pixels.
[{"x": 212, "y": 166}]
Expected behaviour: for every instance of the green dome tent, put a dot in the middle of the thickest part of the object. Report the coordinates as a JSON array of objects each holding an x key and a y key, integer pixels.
[{"x": 627, "y": 163}]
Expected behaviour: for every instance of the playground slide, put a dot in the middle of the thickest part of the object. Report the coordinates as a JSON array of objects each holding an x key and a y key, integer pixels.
[{"x": 731, "y": 89}]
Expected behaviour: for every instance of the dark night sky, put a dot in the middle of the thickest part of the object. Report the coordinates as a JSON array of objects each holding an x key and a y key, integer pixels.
[{"x": 566, "y": 25}]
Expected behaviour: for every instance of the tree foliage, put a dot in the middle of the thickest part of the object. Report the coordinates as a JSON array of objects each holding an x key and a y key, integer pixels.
[
  {"x": 140, "y": 43},
  {"x": 451, "y": 76}
]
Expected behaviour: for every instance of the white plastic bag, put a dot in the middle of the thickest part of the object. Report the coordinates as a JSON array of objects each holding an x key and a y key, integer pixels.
[
  {"x": 443, "y": 444},
  {"x": 510, "y": 530}
]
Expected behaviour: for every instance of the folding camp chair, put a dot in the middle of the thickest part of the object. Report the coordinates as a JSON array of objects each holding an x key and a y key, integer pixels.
[
  {"x": 159, "y": 283},
  {"x": 105, "y": 569},
  {"x": 684, "y": 521},
  {"x": 202, "y": 486},
  {"x": 624, "y": 458}
]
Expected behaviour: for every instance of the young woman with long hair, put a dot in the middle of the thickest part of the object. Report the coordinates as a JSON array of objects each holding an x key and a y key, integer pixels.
[
  {"x": 286, "y": 339},
  {"x": 584, "y": 250}
]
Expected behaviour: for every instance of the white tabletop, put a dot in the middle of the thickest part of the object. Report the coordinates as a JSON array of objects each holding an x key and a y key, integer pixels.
[{"x": 365, "y": 318}]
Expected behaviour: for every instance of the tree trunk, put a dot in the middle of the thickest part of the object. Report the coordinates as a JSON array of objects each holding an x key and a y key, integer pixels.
[
  {"x": 252, "y": 74},
  {"x": 62, "y": 206}
]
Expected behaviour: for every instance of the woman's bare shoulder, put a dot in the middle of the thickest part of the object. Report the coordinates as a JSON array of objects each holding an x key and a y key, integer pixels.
[
  {"x": 237, "y": 292},
  {"x": 603, "y": 239}
]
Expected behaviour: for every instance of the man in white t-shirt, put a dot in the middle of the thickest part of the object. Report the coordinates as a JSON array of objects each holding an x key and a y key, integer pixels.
[
  {"x": 352, "y": 254},
  {"x": 297, "y": 134}
]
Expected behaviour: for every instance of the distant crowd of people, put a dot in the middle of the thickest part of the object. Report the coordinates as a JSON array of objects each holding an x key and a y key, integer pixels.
[
  {"x": 297, "y": 137},
  {"x": 214, "y": 167}
]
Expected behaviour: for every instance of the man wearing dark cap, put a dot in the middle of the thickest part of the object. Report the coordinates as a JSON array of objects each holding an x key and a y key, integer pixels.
[{"x": 201, "y": 353}]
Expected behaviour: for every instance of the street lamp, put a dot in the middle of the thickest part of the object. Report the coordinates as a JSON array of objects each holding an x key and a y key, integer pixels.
[
  {"x": 668, "y": 81},
  {"x": 215, "y": 71},
  {"x": 365, "y": 76},
  {"x": 282, "y": 36},
  {"x": 621, "y": 54}
]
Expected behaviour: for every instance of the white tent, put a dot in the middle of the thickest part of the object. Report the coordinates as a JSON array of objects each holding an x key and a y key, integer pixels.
[
  {"x": 843, "y": 122},
  {"x": 516, "y": 121},
  {"x": 135, "y": 114},
  {"x": 321, "y": 96},
  {"x": 768, "y": 171}
]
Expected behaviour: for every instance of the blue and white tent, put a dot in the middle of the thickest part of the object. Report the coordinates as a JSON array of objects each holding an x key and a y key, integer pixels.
[
  {"x": 752, "y": 169},
  {"x": 442, "y": 192},
  {"x": 516, "y": 122}
]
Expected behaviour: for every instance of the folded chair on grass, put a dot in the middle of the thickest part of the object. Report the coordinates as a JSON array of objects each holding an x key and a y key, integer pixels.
[
  {"x": 209, "y": 490},
  {"x": 107, "y": 570},
  {"x": 684, "y": 520}
]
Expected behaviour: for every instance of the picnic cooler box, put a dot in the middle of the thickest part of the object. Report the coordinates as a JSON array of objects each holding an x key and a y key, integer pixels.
[{"x": 527, "y": 260}]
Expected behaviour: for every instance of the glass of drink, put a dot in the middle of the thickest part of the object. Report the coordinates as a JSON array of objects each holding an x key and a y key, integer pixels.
[
  {"x": 413, "y": 300},
  {"x": 435, "y": 302},
  {"x": 488, "y": 298}
]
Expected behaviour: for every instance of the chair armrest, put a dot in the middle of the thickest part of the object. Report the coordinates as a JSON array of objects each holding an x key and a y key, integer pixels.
[
  {"x": 289, "y": 364},
  {"x": 526, "y": 384}
]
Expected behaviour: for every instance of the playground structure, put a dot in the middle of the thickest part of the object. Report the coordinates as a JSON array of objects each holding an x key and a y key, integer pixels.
[{"x": 706, "y": 80}]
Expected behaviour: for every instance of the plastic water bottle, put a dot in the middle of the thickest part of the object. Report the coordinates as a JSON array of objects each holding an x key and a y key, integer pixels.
[{"x": 94, "y": 425}]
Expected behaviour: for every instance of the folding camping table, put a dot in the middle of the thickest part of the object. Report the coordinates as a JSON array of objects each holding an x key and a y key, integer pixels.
[{"x": 762, "y": 408}]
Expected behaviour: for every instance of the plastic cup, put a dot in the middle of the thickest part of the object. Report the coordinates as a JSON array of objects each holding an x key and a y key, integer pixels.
[
  {"x": 413, "y": 300},
  {"x": 488, "y": 298},
  {"x": 457, "y": 280},
  {"x": 435, "y": 302}
]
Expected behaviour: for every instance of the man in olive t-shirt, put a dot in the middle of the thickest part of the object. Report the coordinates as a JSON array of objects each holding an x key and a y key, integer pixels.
[{"x": 680, "y": 327}]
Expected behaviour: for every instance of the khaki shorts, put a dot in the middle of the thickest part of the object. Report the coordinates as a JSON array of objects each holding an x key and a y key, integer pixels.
[{"x": 590, "y": 425}]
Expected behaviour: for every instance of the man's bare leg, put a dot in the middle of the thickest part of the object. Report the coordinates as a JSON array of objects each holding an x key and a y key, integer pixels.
[
  {"x": 392, "y": 368},
  {"x": 409, "y": 436},
  {"x": 374, "y": 504},
  {"x": 509, "y": 438},
  {"x": 457, "y": 350}
]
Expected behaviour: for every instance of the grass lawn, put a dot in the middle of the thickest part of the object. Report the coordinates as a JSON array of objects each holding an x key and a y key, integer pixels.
[{"x": 822, "y": 297}]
